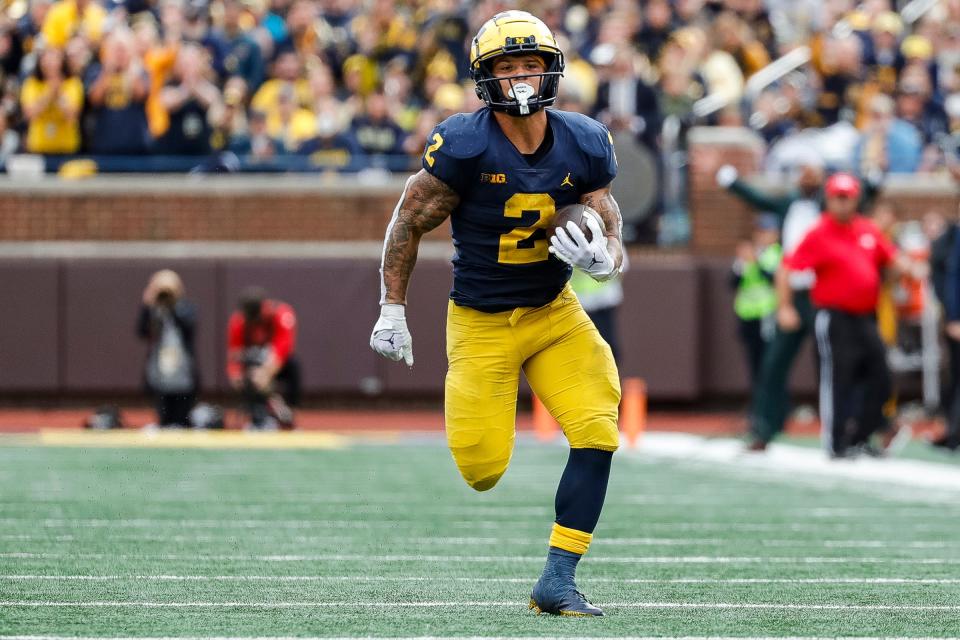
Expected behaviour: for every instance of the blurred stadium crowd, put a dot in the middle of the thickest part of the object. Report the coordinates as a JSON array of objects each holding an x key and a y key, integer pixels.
[{"x": 349, "y": 84}]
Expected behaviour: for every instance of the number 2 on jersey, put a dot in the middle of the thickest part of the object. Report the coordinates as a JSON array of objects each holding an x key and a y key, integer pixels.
[
  {"x": 519, "y": 246},
  {"x": 428, "y": 155}
]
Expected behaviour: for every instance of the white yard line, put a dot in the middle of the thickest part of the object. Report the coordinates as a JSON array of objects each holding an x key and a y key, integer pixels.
[
  {"x": 459, "y": 542},
  {"x": 371, "y": 503},
  {"x": 418, "y": 510},
  {"x": 228, "y": 523},
  {"x": 407, "y": 513},
  {"x": 481, "y": 603},
  {"x": 947, "y": 526},
  {"x": 505, "y": 580},
  {"x": 702, "y": 559},
  {"x": 460, "y": 638}
]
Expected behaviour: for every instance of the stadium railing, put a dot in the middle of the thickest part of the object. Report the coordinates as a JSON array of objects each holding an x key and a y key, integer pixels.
[{"x": 225, "y": 162}]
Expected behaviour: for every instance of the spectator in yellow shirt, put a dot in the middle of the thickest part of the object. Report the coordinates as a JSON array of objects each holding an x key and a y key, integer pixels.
[
  {"x": 287, "y": 74},
  {"x": 70, "y": 17},
  {"x": 290, "y": 123},
  {"x": 51, "y": 101}
]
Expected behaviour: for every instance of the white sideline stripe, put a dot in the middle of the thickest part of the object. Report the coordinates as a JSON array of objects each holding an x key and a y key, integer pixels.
[
  {"x": 482, "y": 603},
  {"x": 494, "y": 559},
  {"x": 792, "y": 462},
  {"x": 247, "y": 578}
]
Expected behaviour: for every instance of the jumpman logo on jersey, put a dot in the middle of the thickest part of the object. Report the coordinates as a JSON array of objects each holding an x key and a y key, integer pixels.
[{"x": 566, "y": 181}]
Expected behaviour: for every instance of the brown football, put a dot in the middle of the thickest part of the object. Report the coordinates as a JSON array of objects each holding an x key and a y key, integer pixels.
[{"x": 578, "y": 213}]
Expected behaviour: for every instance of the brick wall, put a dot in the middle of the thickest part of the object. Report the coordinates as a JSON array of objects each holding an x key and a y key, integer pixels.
[
  {"x": 235, "y": 209},
  {"x": 193, "y": 217},
  {"x": 718, "y": 219},
  {"x": 312, "y": 208}
]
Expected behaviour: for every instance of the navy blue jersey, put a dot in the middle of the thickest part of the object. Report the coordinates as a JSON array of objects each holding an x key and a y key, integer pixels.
[{"x": 507, "y": 203}]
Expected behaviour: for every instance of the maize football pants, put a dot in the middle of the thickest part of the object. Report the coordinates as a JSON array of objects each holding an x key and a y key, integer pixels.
[{"x": 566, "y": 362}]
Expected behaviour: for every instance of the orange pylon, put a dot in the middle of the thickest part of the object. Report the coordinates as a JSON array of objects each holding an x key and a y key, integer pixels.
[
  {"x": 633, "y": 410},
  {"x": 544, "y": 426}
]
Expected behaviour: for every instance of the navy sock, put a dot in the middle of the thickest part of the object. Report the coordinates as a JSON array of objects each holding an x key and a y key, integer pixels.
[
  {"x": 582, "y": 489},
  {"x": 561, "y": 563}
]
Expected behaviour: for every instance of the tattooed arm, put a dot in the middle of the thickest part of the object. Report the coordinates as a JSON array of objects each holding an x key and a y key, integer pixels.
[
  {"x": 603, "y": 203},
  {"x": 426, "y": 202}
]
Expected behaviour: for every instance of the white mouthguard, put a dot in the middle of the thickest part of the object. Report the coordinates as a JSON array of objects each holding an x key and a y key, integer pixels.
[{"x": 522, "y": 92}]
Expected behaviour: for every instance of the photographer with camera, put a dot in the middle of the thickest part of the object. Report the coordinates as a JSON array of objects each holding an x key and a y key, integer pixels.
[
  {"x": 167, "y": 323},
  {"x": 260, "y": 363}
]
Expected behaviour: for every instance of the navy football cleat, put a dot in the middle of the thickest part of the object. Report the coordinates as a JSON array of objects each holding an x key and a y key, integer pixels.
[{"x": 561, "y": 599}]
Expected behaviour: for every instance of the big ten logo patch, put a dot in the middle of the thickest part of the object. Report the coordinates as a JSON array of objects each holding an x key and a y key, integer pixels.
[{"x": 493, "y": 178}]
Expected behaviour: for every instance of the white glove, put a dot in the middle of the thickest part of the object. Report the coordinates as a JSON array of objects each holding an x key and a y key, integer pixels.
[
  {"x": 726, "y": 175},
  {"x": 571, "y": 246},
  {"x": 390, "y": 337}
]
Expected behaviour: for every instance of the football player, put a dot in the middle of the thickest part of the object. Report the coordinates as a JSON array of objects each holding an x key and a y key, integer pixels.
[{"x": 500, "y": 174}]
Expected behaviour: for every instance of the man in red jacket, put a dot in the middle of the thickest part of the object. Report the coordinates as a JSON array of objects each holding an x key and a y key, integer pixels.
[
  {"x": 261, "y": 365},
  {"x": 849, "y": 255}
]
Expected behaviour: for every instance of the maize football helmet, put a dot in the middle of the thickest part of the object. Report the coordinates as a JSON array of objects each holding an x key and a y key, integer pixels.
[{"x": 515, "y": 33}]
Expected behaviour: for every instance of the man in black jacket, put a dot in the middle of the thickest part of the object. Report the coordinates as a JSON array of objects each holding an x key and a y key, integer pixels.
[{"x": 625, "y": 102}]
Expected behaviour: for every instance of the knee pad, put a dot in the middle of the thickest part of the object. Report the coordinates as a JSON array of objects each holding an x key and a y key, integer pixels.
[
  {"x": 482, "y": 453},
  {"x": 481, "y": 476},
  {"x": 484, "y": 484}
]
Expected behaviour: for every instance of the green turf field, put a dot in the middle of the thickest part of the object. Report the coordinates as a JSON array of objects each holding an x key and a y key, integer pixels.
[{"x": 386, "y": 540}]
